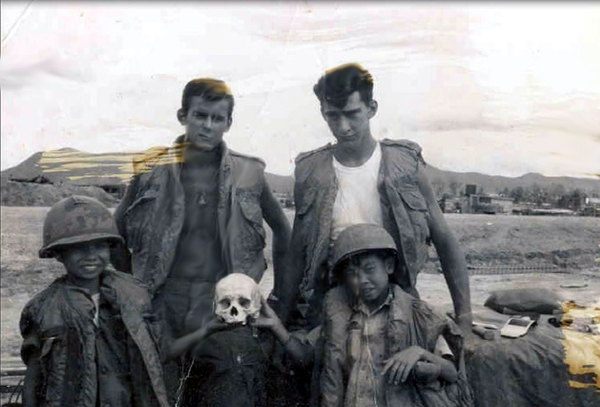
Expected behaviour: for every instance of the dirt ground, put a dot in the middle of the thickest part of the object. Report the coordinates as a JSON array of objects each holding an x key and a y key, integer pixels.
[{"x": 487, "y": 240}]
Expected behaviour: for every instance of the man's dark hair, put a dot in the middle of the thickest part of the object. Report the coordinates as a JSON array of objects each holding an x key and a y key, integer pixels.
[
  {"x": 339, "y": 83},
  {"x": 212, "y": 90}
]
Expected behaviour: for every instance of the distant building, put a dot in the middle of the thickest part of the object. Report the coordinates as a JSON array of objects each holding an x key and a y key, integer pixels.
[
  {"x": 470, "y": 189},
  {"x": 454, "y": 204},
  {"x": 591, "y": 207},
  {"x": 490, "y": 204}
]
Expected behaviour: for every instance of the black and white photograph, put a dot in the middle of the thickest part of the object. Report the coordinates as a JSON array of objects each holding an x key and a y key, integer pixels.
[{"x": 300, "y": 203}]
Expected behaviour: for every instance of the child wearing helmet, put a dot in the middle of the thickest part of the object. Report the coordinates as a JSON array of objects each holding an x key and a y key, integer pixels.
[
  {"x": 384, "y": 347},
  {"x": 90, "y": 338}
]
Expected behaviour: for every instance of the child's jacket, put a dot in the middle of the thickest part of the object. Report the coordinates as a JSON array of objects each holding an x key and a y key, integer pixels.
[
  {"x": 410, "y": 322},
  {"x": 58, "y": 325}
]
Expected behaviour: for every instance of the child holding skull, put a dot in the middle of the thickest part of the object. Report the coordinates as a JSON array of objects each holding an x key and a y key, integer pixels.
[{"x": 231, "y": 357}]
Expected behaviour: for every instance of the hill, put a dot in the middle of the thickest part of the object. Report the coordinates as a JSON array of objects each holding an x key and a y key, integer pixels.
[
  {"x": 496, "y": 183},
  {"x": 109, "y": 170}
]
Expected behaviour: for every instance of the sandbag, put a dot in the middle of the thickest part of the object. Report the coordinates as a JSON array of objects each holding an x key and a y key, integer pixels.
[{"x": 535, "y": 300}]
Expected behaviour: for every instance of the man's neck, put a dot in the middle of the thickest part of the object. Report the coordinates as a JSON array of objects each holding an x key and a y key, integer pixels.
[
  {"x": 200, "y": 157},
  {"x": 355, "y": 155}
]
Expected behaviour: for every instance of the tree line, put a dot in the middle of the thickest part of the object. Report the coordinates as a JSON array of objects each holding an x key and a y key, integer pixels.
[{"x": 557, "y": 195}]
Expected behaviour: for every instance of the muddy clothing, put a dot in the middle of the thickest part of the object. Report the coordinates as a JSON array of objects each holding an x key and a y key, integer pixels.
[
  {"x": 230, "y": 369},
  {"x": 403, "y": 209},
  {"x": 188, "y": 224},
  {"x": 410, "y": 322},
  {"x": 152, "y": 215},
  {"x": 114, "y": 361}
]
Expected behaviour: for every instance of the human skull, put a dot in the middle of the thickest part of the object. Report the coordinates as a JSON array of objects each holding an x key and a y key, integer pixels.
[{"x": 237, "y": 297}]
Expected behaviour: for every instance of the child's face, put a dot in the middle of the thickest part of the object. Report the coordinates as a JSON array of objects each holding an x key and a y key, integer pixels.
[
  {"x": 86, "y": 261},
  {"x": 206, "y": 122},
  {"x": 368, "y": 274}
]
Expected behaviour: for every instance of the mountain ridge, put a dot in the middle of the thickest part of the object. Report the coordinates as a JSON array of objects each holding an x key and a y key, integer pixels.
[{"x": 71, "y": 166}]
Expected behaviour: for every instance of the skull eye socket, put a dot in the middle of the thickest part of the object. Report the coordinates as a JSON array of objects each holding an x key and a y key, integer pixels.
[
  {"x": 225, "y": 303},
  {"x": 245, "y": 302}
]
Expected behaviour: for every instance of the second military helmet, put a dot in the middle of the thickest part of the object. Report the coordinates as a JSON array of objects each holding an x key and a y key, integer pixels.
[{"x": 359, "y": 238}]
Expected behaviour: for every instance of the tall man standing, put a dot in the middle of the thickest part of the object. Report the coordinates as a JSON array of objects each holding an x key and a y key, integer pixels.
[
  {"x": 194, "y": 213},
  {"x": 359, "y": 180}
]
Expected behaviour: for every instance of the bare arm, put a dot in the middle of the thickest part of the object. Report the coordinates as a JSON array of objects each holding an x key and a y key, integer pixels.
[
  {"x": 399, "y": 366},
  {"x": 31, "y": 383},
  {"x": 447, "y": 369},
  {"x": 268, "y": 319},
  {"x": 280, "y": 226},
  {"x": 185, "y": 343},
  {"x": 453, "y": 261}
]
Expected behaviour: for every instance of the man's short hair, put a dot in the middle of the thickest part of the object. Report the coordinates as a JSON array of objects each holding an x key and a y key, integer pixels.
[
  {"x": 210, "y": 89},
  {"x": 339, "y": 83}
]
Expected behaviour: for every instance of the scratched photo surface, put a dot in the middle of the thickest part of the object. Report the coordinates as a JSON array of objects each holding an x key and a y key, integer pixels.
[{"x": 502, "y": 99}]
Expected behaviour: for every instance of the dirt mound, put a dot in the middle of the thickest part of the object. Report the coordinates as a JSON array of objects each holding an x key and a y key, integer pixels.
[{"x": 35, "y": 194}]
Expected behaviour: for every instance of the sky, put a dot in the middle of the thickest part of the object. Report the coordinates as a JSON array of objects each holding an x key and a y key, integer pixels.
[{"x": 499, "y": 88}]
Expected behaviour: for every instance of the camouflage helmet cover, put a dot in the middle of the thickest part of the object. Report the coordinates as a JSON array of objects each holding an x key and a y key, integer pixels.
[{"x": 77, "y": 219}]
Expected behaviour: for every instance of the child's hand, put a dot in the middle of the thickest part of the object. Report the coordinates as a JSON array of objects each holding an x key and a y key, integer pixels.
[
  {"x": 402, "y": 363},
  {"x": 267, "y": 319},
  {"x": 213, "y": 325}
]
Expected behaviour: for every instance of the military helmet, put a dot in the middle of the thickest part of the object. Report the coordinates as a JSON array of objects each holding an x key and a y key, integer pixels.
[
  {"x": 77, "y": 219},
  {"x": 359, "y": 238}
]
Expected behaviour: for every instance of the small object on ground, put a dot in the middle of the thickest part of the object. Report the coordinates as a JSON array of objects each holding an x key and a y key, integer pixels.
[
  {"x": 489, "y": 334},
  {"x": 574, "y": 284},
  {"x": 516, "y": 327},
  {"x": 486, "y": 326}
]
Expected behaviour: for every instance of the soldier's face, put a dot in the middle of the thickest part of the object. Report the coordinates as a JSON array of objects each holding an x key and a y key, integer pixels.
[
  {"x": 368, "y": 276},
  {"x": 349, "y": 124},
  {"x": 205, "y": 122},
  {"x": 86, "y": 261}
]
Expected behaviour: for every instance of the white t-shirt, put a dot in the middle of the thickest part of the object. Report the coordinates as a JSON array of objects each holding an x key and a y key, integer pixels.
[{"x": 357, "y": 200}]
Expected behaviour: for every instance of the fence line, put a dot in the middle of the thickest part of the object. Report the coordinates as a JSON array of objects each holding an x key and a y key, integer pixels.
[{"x": 521, "y": 269}]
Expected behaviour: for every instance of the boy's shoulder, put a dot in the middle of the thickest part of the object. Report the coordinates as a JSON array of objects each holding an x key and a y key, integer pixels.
[
  {"x": 405, "y": 302},
  {"x": 125, "y": 289},
  {"x": 337, "y": 300},
  {"x": 125, "y": 283},
  {"x": 47, "y": 294},
  {"x": 44, "y": 306}
]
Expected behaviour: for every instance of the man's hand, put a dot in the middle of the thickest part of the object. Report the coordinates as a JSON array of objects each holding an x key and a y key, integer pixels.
[{"x": 402, "y": 363}]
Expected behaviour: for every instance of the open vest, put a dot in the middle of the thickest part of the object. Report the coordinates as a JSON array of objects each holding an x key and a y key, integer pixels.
[
  {"x": 151, "y": 215},
  {"x": 404, "y": 209}
]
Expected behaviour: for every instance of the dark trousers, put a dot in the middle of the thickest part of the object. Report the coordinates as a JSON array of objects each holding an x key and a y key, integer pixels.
[{"x": 184, "y": 305}]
